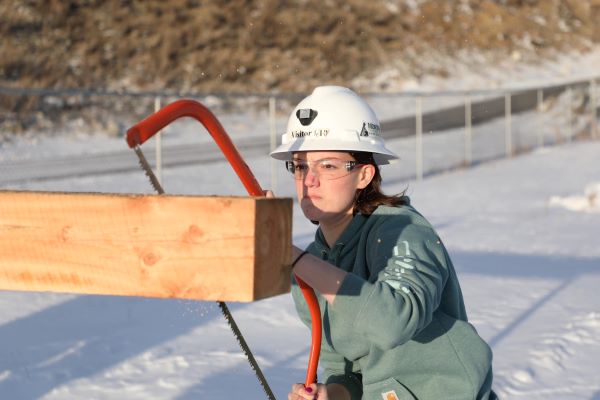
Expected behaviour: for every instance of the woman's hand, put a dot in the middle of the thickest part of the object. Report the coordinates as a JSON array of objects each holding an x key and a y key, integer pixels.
[{"x": 312, "y": 392}]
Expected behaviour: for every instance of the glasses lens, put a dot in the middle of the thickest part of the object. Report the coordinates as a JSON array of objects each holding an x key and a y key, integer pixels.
[
  {"x": 298, "y": 168},
  {"x": 328, "y": 168}
]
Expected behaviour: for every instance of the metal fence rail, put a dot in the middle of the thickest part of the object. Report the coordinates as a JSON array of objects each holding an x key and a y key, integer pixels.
[{"x": 571, "y": 108}]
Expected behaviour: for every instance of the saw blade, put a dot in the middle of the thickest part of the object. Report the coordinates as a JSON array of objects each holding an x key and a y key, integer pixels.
[
  {"x": 148, "y": 170},
  {"x": 244, "y": 346},
  {"x": 224, "y": 309}
]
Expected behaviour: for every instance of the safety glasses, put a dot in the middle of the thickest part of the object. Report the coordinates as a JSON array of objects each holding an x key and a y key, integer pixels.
[{"x": 326, "y": 168}]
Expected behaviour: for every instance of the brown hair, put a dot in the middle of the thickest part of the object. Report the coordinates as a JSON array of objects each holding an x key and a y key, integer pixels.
[{"x": 371, "y": 197}]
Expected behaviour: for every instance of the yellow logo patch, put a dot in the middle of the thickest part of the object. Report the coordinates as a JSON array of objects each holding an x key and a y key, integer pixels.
[{"x": 391, "y": 395}]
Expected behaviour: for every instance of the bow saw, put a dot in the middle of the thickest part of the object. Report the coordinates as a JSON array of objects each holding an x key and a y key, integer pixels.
[{"x": 144, "y": 130}]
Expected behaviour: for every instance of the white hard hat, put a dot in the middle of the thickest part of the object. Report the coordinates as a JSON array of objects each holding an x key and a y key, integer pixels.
[{"x": 333, "y": 118}]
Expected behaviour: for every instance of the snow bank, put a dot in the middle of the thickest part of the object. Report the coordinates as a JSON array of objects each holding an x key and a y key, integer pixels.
[{"x": 588, "y": 202}]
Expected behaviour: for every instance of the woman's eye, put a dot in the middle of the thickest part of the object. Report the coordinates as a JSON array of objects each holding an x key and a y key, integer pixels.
[
  {"x": 328, "y": 165},
  {"x": 300, "y": 167}
]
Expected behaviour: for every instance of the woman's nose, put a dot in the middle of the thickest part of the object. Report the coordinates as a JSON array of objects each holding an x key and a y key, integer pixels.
[{"x": 311, "y": 178}]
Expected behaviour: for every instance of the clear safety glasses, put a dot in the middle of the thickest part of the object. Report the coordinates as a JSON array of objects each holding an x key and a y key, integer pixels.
[{"x": 326, "y": 168}]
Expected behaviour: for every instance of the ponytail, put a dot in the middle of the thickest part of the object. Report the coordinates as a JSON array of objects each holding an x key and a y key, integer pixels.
[{"x": 371, "y": 197}]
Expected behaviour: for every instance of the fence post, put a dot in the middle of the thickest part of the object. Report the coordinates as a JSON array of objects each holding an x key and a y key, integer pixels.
[
  {"x": 540, "y": 106},
  {"x": 594, "y": 110},
  {"x": 158, "y": 144},
  {"x": 569, "y": 113},
  {"x": 468, "y": 131},
  {"x": 508, "y": 124},
  {"x": 419, "y": 138},
  {"x": 273, "y": 141}
]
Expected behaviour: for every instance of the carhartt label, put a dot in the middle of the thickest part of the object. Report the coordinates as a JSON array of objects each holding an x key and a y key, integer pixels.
[{"x": 391, "y": 395}]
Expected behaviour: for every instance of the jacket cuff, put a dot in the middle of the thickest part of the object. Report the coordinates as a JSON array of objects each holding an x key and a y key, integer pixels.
[{"x": 350, "y": 382}]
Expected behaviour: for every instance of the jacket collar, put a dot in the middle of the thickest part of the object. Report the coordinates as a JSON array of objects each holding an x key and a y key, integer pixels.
[{"x": 349, "y": 236}]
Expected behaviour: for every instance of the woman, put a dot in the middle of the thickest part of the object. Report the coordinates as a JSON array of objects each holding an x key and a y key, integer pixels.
[{"x": 394, "y": 320}]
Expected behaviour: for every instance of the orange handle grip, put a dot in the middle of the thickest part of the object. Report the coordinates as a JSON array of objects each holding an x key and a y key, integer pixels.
[
  {"x": 148, "y": 127},
  {"x": 315, "y": 318}
]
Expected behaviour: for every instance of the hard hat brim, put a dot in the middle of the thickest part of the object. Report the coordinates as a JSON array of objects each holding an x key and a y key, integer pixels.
[{"x": 381, "y": 154}]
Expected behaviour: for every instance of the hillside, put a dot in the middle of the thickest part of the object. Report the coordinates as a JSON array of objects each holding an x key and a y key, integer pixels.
[
  {"x": 266, "y": 45},
  {"x": 260, "y": 46}
]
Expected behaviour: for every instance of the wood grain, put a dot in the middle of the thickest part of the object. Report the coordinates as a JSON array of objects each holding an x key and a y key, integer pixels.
[{"x": 189, "y": 247}]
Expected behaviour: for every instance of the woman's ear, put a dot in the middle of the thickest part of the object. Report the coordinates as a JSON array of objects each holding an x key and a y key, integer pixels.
[{"x": 366, "y": 174}]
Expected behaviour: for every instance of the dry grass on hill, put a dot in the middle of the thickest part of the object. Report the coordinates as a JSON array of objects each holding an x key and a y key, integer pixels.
[
  {"x": 256, "y": 46},
  {"x": 266, "y": 45}
]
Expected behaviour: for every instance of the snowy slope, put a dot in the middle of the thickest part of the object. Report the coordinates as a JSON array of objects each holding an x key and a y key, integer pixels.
[
  {"x": 530, "y": 269},
  {"x": 529, "y": 266}
]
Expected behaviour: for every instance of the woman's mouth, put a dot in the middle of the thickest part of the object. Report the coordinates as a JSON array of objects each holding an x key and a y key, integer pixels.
[{"x": 312, "y": 197}]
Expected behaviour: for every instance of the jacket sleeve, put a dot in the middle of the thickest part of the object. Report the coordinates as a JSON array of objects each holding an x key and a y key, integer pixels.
[
  {"x": 337, "y": 369},
  {"x": 408, "y": 271}
]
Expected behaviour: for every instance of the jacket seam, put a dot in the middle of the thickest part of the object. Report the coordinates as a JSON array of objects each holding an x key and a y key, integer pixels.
[
  {"x": 360, "y": 312},
  {"x": 469, "y": 377}
]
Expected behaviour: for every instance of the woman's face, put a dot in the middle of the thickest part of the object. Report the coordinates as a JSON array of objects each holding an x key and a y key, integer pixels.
[{"x": 327, "y": 189}]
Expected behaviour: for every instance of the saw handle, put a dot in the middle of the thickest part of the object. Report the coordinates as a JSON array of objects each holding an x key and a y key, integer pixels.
[
  {"x": 315, "y": 318},
  {"x": 148, "y": 127}
]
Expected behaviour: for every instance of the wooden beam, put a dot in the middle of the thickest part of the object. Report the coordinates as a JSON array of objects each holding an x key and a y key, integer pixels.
[{"x": 188, "y": 247}]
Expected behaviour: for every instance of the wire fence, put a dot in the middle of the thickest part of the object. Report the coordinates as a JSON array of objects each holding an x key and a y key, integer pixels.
[{"x": 432, "y": 131}]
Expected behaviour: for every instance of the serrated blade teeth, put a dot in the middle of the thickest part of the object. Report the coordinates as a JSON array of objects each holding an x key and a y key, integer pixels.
[{"x": 148, "y": 170}]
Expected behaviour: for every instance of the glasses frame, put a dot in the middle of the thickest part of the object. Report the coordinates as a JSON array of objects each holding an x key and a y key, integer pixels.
[{"x": 350, "y": 165}]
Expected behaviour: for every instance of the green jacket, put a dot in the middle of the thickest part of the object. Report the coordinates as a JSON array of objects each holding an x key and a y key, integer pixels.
[{"x": 398, "y": 327}]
